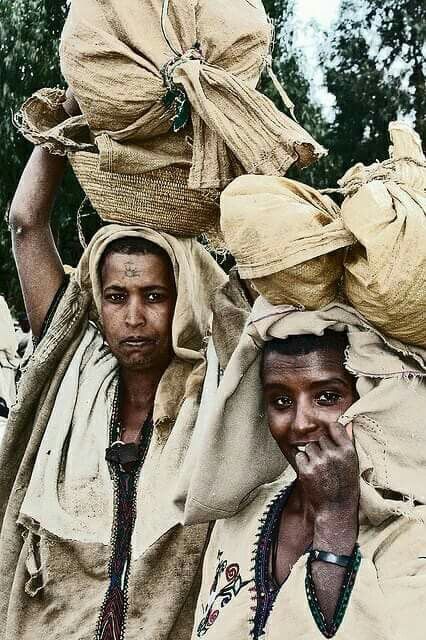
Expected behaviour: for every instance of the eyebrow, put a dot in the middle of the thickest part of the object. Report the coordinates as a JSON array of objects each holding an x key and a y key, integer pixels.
[
  {"x": 330, "y": 381},
  {"x": 315, "y": 383},
  {"x": 119, "y": 287}
]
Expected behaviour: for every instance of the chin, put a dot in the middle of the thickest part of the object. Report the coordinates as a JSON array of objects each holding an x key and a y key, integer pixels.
[{"x": 136, "y": 365}]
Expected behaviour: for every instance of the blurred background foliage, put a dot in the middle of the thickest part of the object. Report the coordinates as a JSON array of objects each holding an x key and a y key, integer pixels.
[{"x": 372, "y": 61}]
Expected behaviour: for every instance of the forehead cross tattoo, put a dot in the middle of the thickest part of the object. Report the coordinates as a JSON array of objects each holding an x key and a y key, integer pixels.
[{"x": 130, "y": 271}]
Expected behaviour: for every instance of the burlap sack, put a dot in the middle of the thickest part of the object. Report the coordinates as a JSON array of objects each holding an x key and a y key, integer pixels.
[
  {"x": 286, "y": 237},
  {"x": 139, "y": 69},
  {"x": 385, "y": 272}
]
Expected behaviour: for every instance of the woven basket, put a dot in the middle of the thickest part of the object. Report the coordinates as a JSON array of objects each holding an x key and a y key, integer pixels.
[{"x": 157, "y": 199}]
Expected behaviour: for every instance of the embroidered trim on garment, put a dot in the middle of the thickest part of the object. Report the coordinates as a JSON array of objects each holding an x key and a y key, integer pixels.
[
  {"x": 330, "y": 630},
  {"x": 219, "y": 598},
  {"x": 265, "y": 590},
  {"x": 112, "y": 618},
  {"x": 52, "y": 310}
]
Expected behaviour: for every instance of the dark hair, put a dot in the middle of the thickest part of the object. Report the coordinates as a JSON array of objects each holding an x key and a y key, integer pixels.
[
  {"x": 129, "y": 245},
  {"x": 307, "y": 343}
]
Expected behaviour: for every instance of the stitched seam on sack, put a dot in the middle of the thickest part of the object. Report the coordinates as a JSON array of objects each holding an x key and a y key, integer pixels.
[{"x": 375, "y": 430}]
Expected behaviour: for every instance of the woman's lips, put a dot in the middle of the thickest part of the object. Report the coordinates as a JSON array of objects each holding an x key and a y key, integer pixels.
[{"x": 138, "y": 343}]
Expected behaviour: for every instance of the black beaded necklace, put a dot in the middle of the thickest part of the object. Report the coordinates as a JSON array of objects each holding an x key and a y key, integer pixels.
[{"x": 127, "y": 454}]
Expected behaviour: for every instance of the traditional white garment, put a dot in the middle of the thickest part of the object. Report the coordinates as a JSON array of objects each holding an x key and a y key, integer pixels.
[
  {"x": 59, "y": 536},
  {"x": 233, "y": 456},
  {"x": 387, "y": 600}
]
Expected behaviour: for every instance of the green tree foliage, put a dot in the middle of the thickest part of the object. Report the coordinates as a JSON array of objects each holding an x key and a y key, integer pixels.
[
  {"x": 29, "y": 34},
  {"x": 373, "y": 67},
  {"x": 401, "y": 25},
  {"x": 288, "y": 63}
]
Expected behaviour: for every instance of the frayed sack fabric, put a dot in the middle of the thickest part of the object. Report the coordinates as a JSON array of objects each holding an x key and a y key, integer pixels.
[
  {"x": 385, "y": 209},
  {"x": 286, "y": 237},
  {"x": 153, "y": 194},
  {"x": 56, "y": 495},
  {"x": 233, "y": 453}
]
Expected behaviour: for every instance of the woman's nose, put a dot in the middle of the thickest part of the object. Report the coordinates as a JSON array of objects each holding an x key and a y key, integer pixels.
[
  {"x": 135, "y": 316},
  {"x": 305, "y": 420}
]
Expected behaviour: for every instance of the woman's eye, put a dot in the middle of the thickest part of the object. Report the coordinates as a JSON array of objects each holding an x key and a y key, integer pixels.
[
  {"x": 329, "y": 397},
  {"x": 155, "y": 296},
  {"x": 115, "y": 297},
  {"x": 282, "y": 402}
]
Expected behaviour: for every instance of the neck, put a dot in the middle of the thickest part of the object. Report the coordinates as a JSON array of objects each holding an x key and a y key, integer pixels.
[
  {"x": 139, "y": 387},
  {"x": 300, "y": 503}
]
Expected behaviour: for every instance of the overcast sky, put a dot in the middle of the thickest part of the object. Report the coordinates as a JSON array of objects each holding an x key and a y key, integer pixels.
[{"x": 324, "y": 11}]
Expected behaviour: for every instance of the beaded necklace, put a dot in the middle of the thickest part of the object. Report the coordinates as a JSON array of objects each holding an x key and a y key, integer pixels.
[
  {"x": 125, "y": 462},
  {"x": 130, "y": 453}
]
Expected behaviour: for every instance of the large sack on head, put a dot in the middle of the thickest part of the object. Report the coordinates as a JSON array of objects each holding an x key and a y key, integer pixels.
[
  {"x": 385, "y": 272},
  {"x": 170, "y": 110},
  {"x": 286, "y": 237},
  {"x": 139, "y": 69}
]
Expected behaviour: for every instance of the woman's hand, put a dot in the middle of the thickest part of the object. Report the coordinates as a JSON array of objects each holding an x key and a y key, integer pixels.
[
  {"x": 70, "y": 104},
  {"x": 329, "y": 474}
]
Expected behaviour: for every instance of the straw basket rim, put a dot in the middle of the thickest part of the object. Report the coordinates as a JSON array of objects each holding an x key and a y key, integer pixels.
[{"x": 160, "y": 198}]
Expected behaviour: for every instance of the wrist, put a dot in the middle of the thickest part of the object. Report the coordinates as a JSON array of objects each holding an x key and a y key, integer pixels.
[
  {"x": 346, "y": 510},
  {"x": 336, "y": 532}
]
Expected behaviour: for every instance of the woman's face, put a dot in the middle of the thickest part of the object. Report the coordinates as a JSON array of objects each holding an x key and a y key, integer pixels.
[
  {"x": 303, "y": 394},
  {"x": 138, "y": 301}
]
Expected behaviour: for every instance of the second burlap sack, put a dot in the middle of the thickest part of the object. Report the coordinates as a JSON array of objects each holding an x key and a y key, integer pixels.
[
  {"x": 385, "y": 209},
  {"x": 287, "y": 238}
]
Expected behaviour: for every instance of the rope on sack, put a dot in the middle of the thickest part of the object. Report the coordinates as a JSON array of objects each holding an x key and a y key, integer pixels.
[
  {"x": 176, "y": 100},
  {"x": 383, "y": 171},
  {"x": 164, "y": 15},
  {"x": 79, "y": 225},
  {"x": 286, "y": 100},
  {"x": 280, "y": 89}
]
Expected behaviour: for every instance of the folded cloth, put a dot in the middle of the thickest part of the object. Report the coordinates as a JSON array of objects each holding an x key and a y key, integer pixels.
[{"x": 385, "y": 209}]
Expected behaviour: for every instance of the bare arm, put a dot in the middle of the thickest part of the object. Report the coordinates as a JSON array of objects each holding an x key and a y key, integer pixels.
[
  {"x": 39, "y": 266},
  {"x": 336, "y": 532},
  {"x": 329, "y": 473}
]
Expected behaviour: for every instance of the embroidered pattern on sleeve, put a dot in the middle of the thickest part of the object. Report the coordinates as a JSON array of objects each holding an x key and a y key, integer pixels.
[{"x": 229, "y": 576}]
